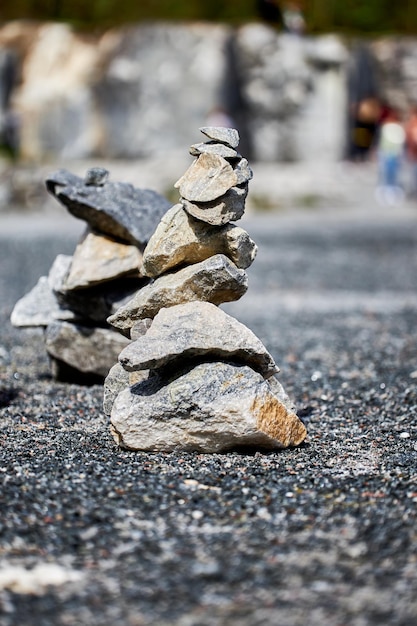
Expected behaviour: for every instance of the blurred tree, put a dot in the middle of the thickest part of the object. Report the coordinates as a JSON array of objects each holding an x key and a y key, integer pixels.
[{"x": 366, "y": 16}]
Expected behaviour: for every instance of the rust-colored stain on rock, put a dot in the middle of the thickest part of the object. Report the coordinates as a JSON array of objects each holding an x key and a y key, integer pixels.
[{"x": 276, "y": 421}]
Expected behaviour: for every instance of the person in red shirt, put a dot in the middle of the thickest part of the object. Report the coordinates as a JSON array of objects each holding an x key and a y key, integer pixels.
[{"x": 411, "y": 147}]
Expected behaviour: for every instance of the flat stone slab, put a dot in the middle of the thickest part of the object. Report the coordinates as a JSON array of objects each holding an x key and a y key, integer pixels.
[
  {"x": 227, "y": 208},
  {"x": 116, "y": 209},
  {"x": 180, "y": 239},
  {"x": 94, "y": 303},
  {"x": 92, "y": 350},
  {"x": 229, "y": 136},
  {"x": 220, "y": 149},
  {"x": 100, "y": 258},
  {"x": 209, "y": 408},
  {"x": 214, "y": 280},
  {"x": 196, "y": 330},
  {"x": 208, "y": 178},
  {"x": 97, "y": 303}
]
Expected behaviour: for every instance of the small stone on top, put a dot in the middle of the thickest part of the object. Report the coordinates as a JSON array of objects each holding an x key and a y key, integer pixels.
[
  {"x": 96, "y": 176},
  {"x": 229, "y": 136}
]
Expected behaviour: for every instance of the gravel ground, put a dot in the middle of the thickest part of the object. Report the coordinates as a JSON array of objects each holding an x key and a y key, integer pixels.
[{"x": 321, "y": 535}]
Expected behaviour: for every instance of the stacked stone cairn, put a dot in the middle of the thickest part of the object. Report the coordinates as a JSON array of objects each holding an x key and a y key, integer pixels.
[
  {"x": 73, "y": 302},
  {"x": 193, "y": 378}
]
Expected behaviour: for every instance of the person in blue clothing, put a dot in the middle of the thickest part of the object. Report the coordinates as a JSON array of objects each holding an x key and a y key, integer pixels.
[{"x": 390, "y": 150}]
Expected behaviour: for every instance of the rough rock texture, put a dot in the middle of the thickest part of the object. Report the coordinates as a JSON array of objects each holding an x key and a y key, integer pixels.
[
  {"x": 99, "y": 258},
  {"x": 208, "y": 178},
  {"x": 117, "y": 209},
  {"x": 140, "y": 327},
  {"x": 88, "y": 349},
  {"x": 243, "y": 172},
  {"x": 227, "y": 208},
  {"x": 39, "y": 307},
  {"x": 214, "y": 280},
  {"x": 198, "y": 331},
  {"x": 100, "y": 277},
  {"x": 210, "y": 408},
  {"x": 98, "y": 302},
  {"x": 203, "y": 392},
  {"x": 228, "y": 136},
  {"x": 214, "y": 148},
  {"x": 116, "y": 380},
  {"x": 179, "y": 239}
]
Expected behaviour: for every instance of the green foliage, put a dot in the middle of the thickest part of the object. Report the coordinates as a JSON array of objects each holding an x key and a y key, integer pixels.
[{"x": 356, "y": 16}]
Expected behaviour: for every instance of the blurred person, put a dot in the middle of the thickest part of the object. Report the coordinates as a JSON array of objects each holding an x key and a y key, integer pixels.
[
  {"x": 293, "y": 19},
  {"x": 218, "y": 116},
  {"x": 390, "y": 149},
  {"x": 411, "y": 147},
  {"x": 9, "y": 126},
  {"x": 367, "y": 115}
]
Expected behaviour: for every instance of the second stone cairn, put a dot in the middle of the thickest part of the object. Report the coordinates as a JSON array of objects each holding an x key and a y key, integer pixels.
[{"x": 192, "y": 377}]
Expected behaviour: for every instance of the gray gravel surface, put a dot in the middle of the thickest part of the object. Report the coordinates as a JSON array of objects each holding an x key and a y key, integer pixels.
[{"x": 323, "y": 535}]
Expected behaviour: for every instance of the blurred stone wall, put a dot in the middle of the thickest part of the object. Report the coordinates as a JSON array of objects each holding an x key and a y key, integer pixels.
[{"x": 144, "y": 90}]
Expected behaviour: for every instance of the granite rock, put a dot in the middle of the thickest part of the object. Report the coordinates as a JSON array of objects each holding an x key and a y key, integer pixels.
[
  {"x": 140, "y": 327},
  {"x": 116, "y": 381},
  {"x": 196, "y": 331},
  {"x": 213, "y": 407},
  {"x": 180, "y": 239},
  {"x": 214, "y": 280}
]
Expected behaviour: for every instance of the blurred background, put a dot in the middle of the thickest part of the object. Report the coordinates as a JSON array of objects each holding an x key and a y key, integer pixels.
[{"x": 127, "y": 85}]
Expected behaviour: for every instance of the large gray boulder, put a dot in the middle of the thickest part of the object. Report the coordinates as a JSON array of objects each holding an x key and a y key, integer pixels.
[{"x": 209, "y": 408}]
